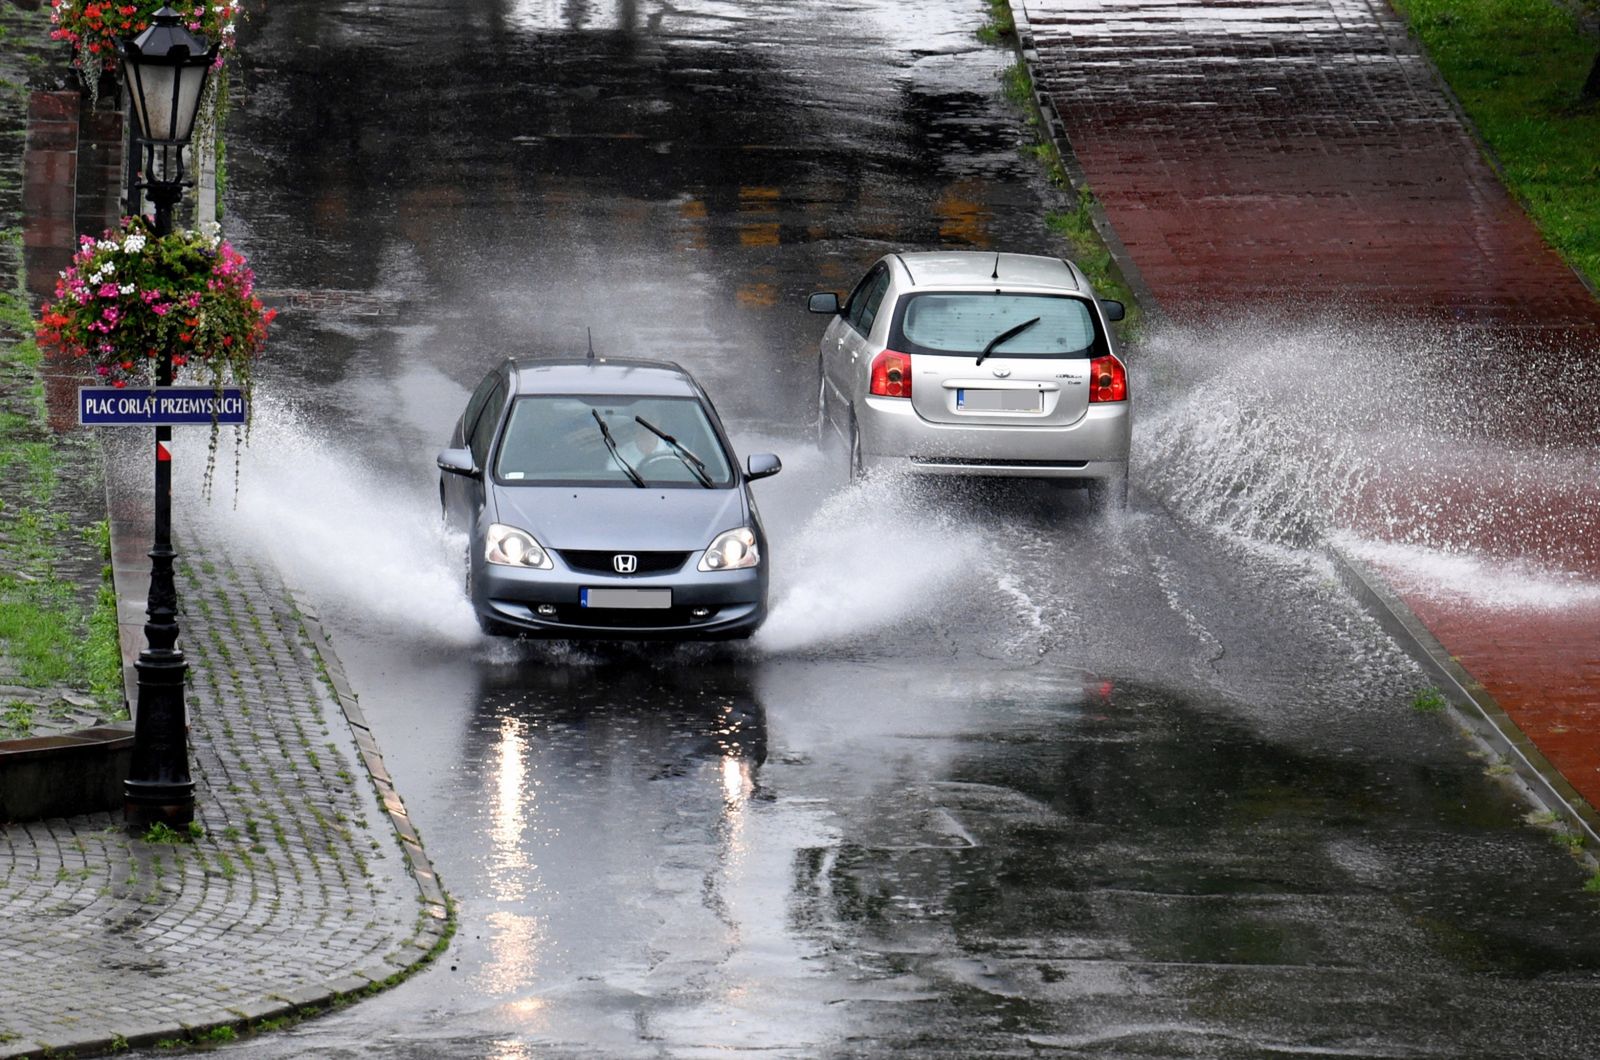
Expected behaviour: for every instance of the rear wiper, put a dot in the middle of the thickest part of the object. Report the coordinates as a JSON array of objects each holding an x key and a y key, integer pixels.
[
  {"x": 611, "y": 444},
  {"x": 1008, "y": 333},
  {"x": 696, "y": 466}
]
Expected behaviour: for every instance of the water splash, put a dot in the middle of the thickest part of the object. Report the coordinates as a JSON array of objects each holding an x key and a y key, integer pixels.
[
  {"x": 1300, "y": 434},
  {"x": 352, "y": 535},
  {"x": 875, "y": 555}
]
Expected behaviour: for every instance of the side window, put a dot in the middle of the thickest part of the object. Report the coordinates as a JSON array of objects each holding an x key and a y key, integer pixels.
[
  {"x": 865, "y": 300},
  {"x": 483, "y": 431},
  {"x": 469, "y": 418}
]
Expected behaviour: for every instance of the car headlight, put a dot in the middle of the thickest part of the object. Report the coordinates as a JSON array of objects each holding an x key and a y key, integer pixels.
[
  {"x": 514, "y": 548},
  {"x": 732, "y": 550}
]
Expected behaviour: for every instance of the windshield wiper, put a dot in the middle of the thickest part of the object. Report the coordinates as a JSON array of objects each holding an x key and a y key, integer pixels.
[
  {"x": 611, "y": 444},
  {"x": 696, "y": 466},
  {"x": 1008, "y": 333}
]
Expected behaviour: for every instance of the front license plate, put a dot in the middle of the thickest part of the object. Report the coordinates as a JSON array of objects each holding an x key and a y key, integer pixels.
[
  {"x": 633, "y": 599},
  {"x": 999, "y": 400}
]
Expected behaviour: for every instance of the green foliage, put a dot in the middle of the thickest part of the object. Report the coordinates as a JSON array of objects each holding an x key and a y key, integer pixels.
[
  {"x": 161, "y": 834},
  {"x": 1429, "y": 701},
  {"x": 1000, "y": 25},
  {"x": 1518, "y": 68}
]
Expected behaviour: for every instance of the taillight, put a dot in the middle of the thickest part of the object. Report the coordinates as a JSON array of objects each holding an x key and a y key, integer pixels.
[
  {"x": 891, "y": 375},
  {"x": 1108, "y": 380}
]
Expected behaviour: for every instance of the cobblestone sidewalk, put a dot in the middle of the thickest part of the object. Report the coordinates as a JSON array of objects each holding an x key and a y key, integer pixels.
[{"x": 297, "y": 891}]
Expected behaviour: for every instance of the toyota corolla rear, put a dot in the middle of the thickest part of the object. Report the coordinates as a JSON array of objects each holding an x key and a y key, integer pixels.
[{"x": 984, "y": 382}]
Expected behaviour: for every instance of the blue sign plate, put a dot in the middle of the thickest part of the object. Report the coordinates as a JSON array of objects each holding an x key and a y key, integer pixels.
[{"x": 167, "y": 406}]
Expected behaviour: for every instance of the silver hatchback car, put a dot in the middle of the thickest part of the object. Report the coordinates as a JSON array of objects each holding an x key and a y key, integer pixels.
[
  {"x": 602, "y": 499},
  {"x": 977, "y": 363}
]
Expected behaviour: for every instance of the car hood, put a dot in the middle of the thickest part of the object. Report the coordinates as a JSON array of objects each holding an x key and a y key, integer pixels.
[{"x": 638, "y": 520}]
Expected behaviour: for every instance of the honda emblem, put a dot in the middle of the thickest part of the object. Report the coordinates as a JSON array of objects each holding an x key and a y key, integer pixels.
[{"x": 623, "y": 563}]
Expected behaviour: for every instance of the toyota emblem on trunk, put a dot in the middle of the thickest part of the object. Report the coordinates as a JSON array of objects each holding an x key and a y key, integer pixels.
[
  {"x": 1001, "y": 373},
  {"x": 624, "y": 563}
]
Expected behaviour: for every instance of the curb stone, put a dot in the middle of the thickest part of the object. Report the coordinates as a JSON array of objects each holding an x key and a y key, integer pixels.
[{"x": 1473, "y": 708}]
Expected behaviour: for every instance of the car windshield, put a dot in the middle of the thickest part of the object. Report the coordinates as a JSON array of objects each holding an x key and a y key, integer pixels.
[
  {"x": 968, "y": 323},
  {"x": 553, "y": 439}
]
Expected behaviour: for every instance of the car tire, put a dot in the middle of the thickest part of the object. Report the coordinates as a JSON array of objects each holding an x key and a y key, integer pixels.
[
  {"x": 856, "y": 472},
  {"x": 822, "y": 413}
]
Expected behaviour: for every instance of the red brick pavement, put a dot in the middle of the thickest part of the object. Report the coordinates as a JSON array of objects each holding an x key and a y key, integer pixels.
[{"x": 1300, "y": 156}]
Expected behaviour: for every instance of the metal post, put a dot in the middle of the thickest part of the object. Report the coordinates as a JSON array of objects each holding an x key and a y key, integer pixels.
[{"x": 158, "y": 788}]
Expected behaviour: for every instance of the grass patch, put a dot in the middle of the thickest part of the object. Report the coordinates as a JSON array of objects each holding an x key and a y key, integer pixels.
[
  {"x": 1429, "y": 701},
  {"x": 1000, "y": 27},
  {"x": 1518, "y": 68}
]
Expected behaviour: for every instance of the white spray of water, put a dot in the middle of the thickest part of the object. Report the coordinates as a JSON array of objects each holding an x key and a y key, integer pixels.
[
  {"x": 870, "y": 558},
  {"x": 352, "y": 536},
  {"x": 1301, "y": 434},
  {"x": 1497, "y": 584}
]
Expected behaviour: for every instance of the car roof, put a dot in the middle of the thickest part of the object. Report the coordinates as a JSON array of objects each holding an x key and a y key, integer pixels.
[
  {"x": 635, "y": 377},
  {"x": 967, "y": 268}
]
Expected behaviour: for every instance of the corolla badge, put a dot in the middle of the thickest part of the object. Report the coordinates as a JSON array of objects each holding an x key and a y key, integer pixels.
[
  {"x": 1001, "y": 373},
  {"x": 623, "y": 563}
]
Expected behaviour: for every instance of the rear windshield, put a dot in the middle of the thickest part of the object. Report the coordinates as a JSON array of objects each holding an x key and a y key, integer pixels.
[
  {"x": 553, "y": 439},
  {"x": 967, "y": 322}
]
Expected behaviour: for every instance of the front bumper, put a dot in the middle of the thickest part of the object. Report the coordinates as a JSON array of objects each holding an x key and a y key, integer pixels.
[
  {"x": 734, "y": 603},
  {"x": 1095, "y": 447}
]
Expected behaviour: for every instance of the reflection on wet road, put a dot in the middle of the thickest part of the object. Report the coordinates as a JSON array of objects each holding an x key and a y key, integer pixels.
[{"x": 998, "y": 777}]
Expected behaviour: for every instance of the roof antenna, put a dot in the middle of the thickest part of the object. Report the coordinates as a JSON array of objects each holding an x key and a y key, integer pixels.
[
  {"x": 591, "y": 342},
  {"x": 996, "y": 274}
]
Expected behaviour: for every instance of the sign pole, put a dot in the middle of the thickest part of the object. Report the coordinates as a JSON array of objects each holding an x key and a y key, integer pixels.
[{"x": 159, "y": 788}]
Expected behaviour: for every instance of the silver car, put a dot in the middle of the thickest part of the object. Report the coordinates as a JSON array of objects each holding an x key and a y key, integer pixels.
[
  {"x": 602, "y": 499},
  {"x": 969, "y": 363}
]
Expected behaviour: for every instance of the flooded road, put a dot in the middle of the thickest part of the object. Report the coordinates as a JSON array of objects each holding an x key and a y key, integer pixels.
[{"x": 998, "y": 777}]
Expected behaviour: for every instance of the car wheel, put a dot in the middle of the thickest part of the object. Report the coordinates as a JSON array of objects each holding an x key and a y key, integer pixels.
[
  {"x": 1109, "y": 494},
  {"x": 822, "y": 412}
]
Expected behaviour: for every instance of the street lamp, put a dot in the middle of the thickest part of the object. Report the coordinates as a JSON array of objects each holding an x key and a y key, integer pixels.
[{"x": 166, "y": 72}]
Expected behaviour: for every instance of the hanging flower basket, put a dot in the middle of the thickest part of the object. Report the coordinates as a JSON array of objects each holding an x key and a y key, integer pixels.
[
  {"x": 130, "y": 297},
  {"x": 93, "y": 28}
]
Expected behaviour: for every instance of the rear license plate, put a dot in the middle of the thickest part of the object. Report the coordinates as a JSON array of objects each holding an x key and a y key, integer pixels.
[
  {"x": 999, "y": 400},
  {"x": 634, "y": 599}
]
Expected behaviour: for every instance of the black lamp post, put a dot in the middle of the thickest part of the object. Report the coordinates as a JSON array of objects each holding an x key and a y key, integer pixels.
[{"x": 166, "y": 69}]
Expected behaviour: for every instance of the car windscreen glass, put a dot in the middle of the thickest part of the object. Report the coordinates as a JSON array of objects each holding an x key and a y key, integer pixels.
[
  {"x": 966, "y": 323},
  {"x": 553, "y": 439}
]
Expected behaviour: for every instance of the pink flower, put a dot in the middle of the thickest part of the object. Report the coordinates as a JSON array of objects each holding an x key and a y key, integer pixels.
[{"x": 160, "y": 309}]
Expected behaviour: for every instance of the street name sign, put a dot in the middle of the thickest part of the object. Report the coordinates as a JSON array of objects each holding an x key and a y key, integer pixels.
[{"x": 165, "y": 406}]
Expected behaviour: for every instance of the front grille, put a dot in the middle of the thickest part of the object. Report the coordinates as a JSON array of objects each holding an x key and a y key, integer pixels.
[
  {"x": 965, "y": 461},
  {"x": 619, "y": 617},
  {"x": 594, "y": 562}
]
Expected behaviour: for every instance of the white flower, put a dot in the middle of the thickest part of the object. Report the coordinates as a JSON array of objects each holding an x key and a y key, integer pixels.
[
  {"x": 126, "y": 288},
  {"x": 106, "y": 244},
  {"x": 110, "y": 267},
  {"x": 96, "y": 278},
  {"x": 134, "y": 243}
]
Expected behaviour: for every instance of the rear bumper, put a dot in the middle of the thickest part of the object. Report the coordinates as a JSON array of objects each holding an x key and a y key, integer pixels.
[{"x": 1095, "y": 447}]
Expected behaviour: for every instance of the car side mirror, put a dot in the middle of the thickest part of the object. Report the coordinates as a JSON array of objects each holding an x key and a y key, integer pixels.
[
  {"x": 825, "y": 302},
  {"x": 762, "y": 465},
  {"x": 1113, "y": 309},
  {"x": 458, "y": 462}
]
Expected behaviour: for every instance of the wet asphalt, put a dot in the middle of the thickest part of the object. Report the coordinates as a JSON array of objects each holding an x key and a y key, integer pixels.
[{"x": 999, "y": 777}]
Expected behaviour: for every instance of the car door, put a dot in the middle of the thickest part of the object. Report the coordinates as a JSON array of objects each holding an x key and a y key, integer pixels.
[
  {"x": 465, "y": 495},
  {"x": 854, "y": 352}
]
